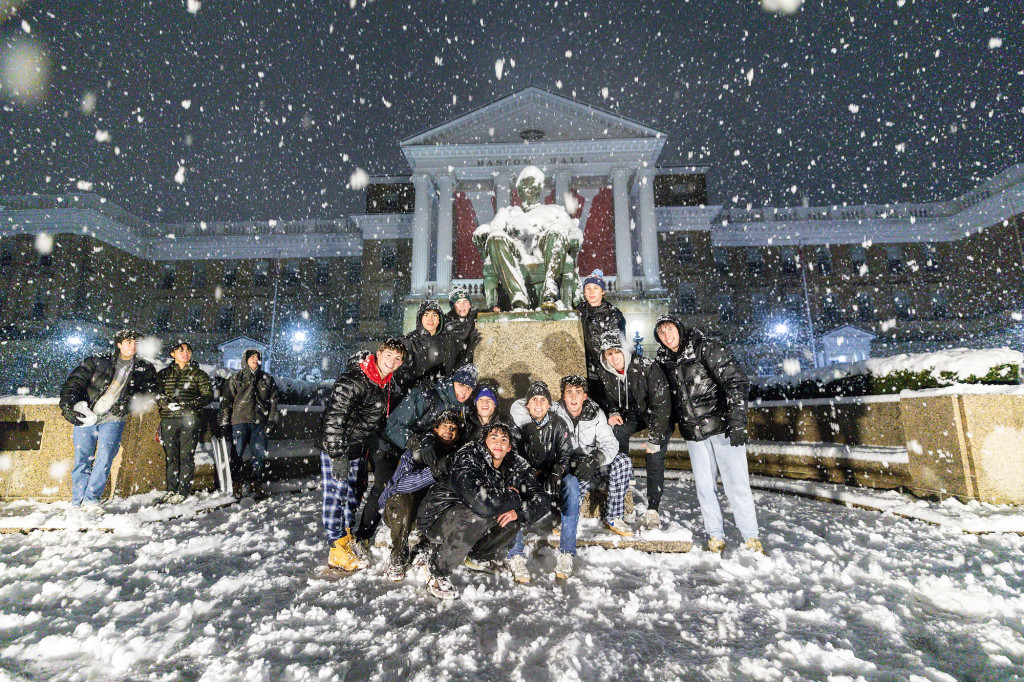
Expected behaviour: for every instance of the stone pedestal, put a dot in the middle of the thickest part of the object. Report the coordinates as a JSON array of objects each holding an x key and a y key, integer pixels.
[
  {"x": 969, "y": 446},
  {"x": 517, "y": 348}
]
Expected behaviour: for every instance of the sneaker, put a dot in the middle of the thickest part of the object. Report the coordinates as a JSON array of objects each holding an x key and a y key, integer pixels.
[
  {"x": 342, "y": 557},
  {"x": 651, "y": 519},
  {"x": 754, "y": 545},
  {"x": 441, "y": 587},
  {"x": 619, "y": 527},
  {"x": 94, "y": 509},
  {"x": 176, "y": 498},
  {"x": 517, "y": 565},
  {"x": 483, "y": 566},
  {"x": 563, "y": 566},
  {"x": 715, "y": 545},
  {"x": 165, "y": 498},
  {"x": 396, "y": 572},
  {"x": 361, "y": 548},
  {"x": 420, "y": 569}
]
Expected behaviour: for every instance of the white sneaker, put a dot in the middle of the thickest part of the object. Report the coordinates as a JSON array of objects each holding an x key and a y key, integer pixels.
[
  {"x": 396, "y": 572},
  {"x": 176, "y": 498},
  {"x": 492, "y": 567},
  {"x": 420, "y": 570},
  {"x": 441, "y": 588},
  {"x": 563, "y": 566},
  {"x": 94, "y": 509},
  {"x": 517, "y": 565},
  {"x": 651, "y": 519}
]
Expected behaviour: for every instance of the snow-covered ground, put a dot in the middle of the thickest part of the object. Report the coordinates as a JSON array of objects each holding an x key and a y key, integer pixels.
[{"x": 238, "y": 593}]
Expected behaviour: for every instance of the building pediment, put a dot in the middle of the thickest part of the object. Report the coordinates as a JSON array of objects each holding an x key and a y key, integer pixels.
[{"x": 533, "y": 115}]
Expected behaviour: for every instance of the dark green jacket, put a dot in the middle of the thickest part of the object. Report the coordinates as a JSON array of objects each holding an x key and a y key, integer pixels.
[{"x": 188, "y": 387}]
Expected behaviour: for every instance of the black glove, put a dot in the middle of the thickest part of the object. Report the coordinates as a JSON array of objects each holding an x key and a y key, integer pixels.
[
  {"x": 738, "y": 436},
  {"x": 553, "y": 481},
  {"x": 585, "y": 467}
]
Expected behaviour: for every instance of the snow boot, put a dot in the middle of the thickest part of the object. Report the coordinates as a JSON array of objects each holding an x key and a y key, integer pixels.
[
  {"x": 517, "y": 565},
  {"x": 651, "y": 520},
  {"x": 341, "y": 555},
  {"x": 754, "y": 545},
  {"x": 441, "y": 587},
  {"x": 396, "y": 572},
  {"x": 715, "y": 545},
  {"x": 619, "y": 527},
  {"x": 563, "y": 566}
]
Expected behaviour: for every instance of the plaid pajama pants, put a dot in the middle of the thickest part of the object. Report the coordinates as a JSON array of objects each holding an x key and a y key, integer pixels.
[
  {"x": 344, "y": 485},
  {"x": 619, "y": 473}
]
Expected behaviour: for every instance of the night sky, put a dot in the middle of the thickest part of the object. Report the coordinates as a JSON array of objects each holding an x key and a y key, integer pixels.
[{"x": 887, "y": 100}]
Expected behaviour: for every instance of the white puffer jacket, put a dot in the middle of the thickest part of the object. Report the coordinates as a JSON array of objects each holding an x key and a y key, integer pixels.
[{"x": 590, "y": 432}]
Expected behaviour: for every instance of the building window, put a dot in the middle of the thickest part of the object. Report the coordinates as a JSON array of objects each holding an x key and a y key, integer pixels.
[
  {"x": 46, "y": 260},
  {"x": 865, "y": 307},
  {"x": 195, "y": 318},
  {"x": 824, "y": 260},
  {"x": 323, "y": 273},
  {"x": 226, "y": 319},
  {"x": 901, "y": 302},
  {"x": 389, "y": 257},
  {"x": 931, "y": 258},
  {"x": 687, "y": 299},
  {"x": 199, "y": 275},
  {"x": 41, "y": 304},
  {"x": 167, "y": 277},
  {"x": 758, "y": 305},
  {"x": 726, "y": 310},
  {"x": 721, "y": 261},
  {"x": 790, "y": 261},
  {"x": 290, "y": 273},
  {"x": 859, "y": 258},
  {"x": 386, "y": 304},
  {"x": 230, "y": 275},
  {"x": 257, "y": 326},
  {"x": 755, "y": 261},
  {"x": 260, "y": 275},
  {"x": 350, "y": 314},
  {"x": 793, "y": 303},
  {"x": 940, "y": 305},
  {"x": 163, "y": 319},
  {"x": 684, "y": 250},
  {"x": 6, "y": 257},
  {"x": 831, "y": 315},
  {"x": 894, "y": 257}
]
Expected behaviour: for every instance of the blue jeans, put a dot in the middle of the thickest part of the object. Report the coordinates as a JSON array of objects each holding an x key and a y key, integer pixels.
[
  {"x": 709, "y": 458},
  {"x": 254, "y": 436},
  {"x": 570, "y": 519},
  {"x": 95, "y": 448}
]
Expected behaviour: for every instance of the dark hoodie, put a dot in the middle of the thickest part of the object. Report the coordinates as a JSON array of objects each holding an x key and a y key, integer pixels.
[
  {"x": 463, "y": 334},
  {"x": 428, "y": 357},
  {"x": 641, "y": 389},
  {"x": 709, "y": 389}
]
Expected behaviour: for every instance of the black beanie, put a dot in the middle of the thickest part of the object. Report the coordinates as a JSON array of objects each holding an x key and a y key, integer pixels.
[{"x": 538, "y": 388}]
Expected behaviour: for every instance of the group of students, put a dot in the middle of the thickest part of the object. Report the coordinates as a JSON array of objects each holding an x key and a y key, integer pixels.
[
  {"x": 101, "y": 393},
  {"x": 447, "y": 464}
]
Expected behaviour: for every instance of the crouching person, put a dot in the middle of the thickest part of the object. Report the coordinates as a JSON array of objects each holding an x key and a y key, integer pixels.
[
  {"x": 355, "y": 412},
  {"x": 424, "y": 462},
  {"x": 474, "y": 514}
]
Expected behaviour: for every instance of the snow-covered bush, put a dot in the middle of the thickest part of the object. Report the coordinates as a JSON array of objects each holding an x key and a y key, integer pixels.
[{"x": 880, "y": 376}]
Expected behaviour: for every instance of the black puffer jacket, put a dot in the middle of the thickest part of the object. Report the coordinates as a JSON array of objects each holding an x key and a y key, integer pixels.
[
  {"x": 644, "y": 391},
  {"x": 547, "y": 447},
  {"x": 91, "y": 379},
  {"x": 473, "y": 481},
  {"x": 709, "y": 389},
  {"x": 417, "y": 412},
  {"x": 464, "y": 336},
  {"x": 187, "y": 387},
  {"x": 597, "y": 321},
  {"x": 427, "y": 357},
  {"x": 356, "y": 409},
  {"x": 248, "y": 398}
]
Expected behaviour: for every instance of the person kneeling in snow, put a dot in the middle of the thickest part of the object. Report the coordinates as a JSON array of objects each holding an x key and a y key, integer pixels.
[
  {"x": 489, "y": 495},
  {"x": 591, "y": 435},
  {"x": 425, "y": 461},
  {"x": 355, "y": 411}
]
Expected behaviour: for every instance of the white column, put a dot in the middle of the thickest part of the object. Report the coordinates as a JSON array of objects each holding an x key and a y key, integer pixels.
[
  {"x": 648, "y": 229},
  {"x": 445, "y": 190},
  {"x": 623, "y": 241},
  {"x": 561, "y": 186},
  {"x": 502, "y": 190},
  {"x": 420, "y": 234}
]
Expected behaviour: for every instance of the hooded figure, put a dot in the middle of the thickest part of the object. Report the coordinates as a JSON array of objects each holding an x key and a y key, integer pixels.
[
  {"x": 461, "y": 329},
  {"x": 430, "y": 354},
  {"x": 640, "y": 388}
]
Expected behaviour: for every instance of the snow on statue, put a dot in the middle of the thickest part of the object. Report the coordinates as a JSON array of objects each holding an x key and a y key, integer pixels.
[{"x": 530, "y": 251}]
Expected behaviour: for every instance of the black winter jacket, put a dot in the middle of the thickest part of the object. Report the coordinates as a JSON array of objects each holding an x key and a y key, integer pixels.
[
  {"x": 473, "y": 481},
  {"x": 547, "y": 447},
  {"x": 188, "y": 387},
  {"x": 356, "y": 409},
  {"x": 427, "y": 357},
  {"x": 464, "y": 336},
  {"x": 248, "y": 398},
  {"x": 597, "y": 321},
  {"x": 709, "y": 389},
  {"x": 91, "y": 379},
  {"x": 645, "y": 391}
]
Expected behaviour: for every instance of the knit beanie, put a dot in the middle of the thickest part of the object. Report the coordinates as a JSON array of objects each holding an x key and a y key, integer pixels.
[
  {"x": 610, "y": 340},
  {"x": 466, "y": 375},
  {"x": 596, "y": 277},
  {"x": 458, "y": 294},
  {"x": 251, "y": 352},
  {"x": 538, "y": 388},
  {"x": 485, "y": 392}
]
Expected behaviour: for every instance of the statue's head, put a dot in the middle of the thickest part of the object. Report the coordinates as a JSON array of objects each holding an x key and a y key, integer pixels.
[{"x": 529, "y": 185}]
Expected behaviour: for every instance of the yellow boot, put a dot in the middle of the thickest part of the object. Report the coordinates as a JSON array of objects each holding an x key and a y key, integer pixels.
[{"x": 342, "y": 556}]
